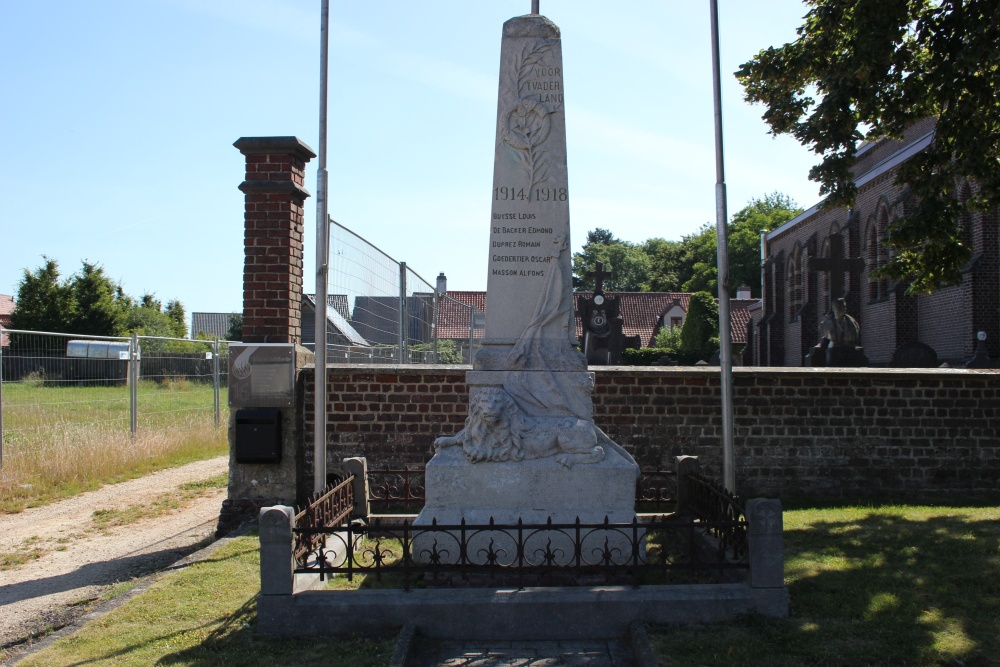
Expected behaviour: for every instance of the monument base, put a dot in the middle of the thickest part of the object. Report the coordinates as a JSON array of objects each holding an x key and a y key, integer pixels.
[
  {"x": 837, "y": 356},
  {"x": 534, "y": 492}
]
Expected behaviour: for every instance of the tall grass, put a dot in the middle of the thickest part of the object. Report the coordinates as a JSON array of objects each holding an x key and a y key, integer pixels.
[{"x": 60, "y": 441}]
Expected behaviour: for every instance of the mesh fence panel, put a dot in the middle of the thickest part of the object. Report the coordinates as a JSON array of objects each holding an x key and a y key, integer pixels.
[
  {"x": 383, "y": 312},
  {"x": 64, "y": 387},
  {"x": 177, "y": 380},
  {"x": 53, "y": 380}
]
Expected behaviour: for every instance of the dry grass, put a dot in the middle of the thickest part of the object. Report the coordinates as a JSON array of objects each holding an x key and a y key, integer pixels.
[
  {"x": 45, "y": 464},
  {"x": 66, "y": 439}
]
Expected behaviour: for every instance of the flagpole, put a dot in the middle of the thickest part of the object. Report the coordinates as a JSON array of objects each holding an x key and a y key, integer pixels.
[
  {"x": 722, "y": 242},
  {"x": 322, "y": 265}
]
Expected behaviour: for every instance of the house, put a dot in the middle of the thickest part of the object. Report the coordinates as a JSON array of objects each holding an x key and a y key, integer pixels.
[
  {"x": 211, "y": 324},
  {"x": 6, "y": 310},
  {"x": 824, "y": 254},
  {"x": 340, "y": 335}
]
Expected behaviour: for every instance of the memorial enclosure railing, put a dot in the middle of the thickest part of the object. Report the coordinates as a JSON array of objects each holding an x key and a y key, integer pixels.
[{"x": 704, "y": 540}]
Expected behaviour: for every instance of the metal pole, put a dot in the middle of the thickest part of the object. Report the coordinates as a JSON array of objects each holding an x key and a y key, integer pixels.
[
  {"x": 472, "y": 330},
  {"x": 437, "y": 359},
  {"x": 722, "y": 240},
  {"x": 322, "y": 266},
  {"x": 1, "y": 397},
  {"x": 215, "y": 378},
  {"x": 402, "y": 311},
  {"x": 534, "y": 6},
  {"x": 133, "y": 384}
]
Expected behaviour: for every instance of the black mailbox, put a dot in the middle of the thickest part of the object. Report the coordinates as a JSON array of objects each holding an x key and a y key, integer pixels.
[{"x": 258, "y": 435}]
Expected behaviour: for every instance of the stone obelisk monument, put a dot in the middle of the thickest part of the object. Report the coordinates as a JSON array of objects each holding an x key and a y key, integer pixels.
[{"x": 530, "y": 448}]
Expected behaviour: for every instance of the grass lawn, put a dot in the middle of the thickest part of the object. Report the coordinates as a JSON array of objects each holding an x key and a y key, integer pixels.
[
  {"x": 892, "y": 585},
  {"x": 204, "y": 615}
]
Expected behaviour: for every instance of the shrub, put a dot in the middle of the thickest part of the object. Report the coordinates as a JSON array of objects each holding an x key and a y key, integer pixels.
[{"x": 646, "y": 356}]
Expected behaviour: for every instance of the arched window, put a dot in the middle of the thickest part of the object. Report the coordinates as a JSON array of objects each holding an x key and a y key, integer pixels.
[
  {"x": 872, "y": 258},
  {"x": 795, "y": 292},
  {"x": 882, "y": 285},
  {"x": 823, "y": 293}
]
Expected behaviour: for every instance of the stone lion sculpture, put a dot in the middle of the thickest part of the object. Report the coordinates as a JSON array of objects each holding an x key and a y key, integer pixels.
[{"x": 495, "y": 430}]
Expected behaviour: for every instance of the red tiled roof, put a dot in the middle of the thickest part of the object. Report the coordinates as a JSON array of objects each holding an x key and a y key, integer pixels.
[
  {"x": 453, "y": 314},
  {"x": 642, "y": 313},
  {"x": 6, "y": 308}
]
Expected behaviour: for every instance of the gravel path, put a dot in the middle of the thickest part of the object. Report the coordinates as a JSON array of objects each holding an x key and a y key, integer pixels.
[{"x": 78, "y": 560}]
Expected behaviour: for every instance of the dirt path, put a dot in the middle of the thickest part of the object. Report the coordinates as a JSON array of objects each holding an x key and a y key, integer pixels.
[{"x": 141, "y": 526}]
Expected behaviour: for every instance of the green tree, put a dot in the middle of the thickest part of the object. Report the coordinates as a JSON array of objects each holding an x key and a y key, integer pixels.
[
  {"x": 745, "y": 226},
  {"x": 44, "y": 302},
  {"x": 667, "y": 269},
  {"x": 628, "y": 263},
  {"x": 175, "y": 311},
  {"x": 99, "y": 305},
  {"x": 668, "y": 338},
  {"x": 235, "y": 331},
  {"x": 868, "y": 69},
  {"x": 700, "y": 331}
]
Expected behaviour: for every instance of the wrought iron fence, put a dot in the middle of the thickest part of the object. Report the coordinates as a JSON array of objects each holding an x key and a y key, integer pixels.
[
  {"x": 381, "y": 311},
  {"x": 54, "y": 383},
  {"x": 396, "y": 490},
  {"x": 324, "y": 509},
  {"x": 723, "y": 512},
  {"x": 576, "y": 553}
]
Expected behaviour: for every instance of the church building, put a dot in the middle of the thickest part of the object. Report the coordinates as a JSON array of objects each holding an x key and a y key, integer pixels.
[{"x": 824, "y": 254}]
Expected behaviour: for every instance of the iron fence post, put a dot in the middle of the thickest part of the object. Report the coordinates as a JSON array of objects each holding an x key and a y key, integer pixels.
[
  {"x": 434, "y": 334},
  {"x": 215, "y": 377},
  {"x": 133, "y": 384},
  {"x": 472, "y": 329},
  {"x": 402, "y": 311}
]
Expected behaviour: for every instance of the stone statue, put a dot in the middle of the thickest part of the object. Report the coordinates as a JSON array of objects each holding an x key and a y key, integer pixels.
[
  {"x": 838, "y": 345},
  {"x": 496, "y": 430},
  {"x": 838, "y": 327}
]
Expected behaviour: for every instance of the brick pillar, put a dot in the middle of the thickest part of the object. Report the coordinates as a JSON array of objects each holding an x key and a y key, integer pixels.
[{"x": 272, "y": 237}]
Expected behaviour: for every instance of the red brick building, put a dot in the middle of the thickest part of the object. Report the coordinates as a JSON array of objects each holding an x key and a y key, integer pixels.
[{"x": 822, "y": 251}]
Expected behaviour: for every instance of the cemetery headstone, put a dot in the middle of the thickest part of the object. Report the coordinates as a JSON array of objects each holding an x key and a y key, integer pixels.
[
  {"x": 914, "y": 355},
  {"x": 530, "y": 448},
  {"x": 603, "y": 338},
  {"x": 981, "y": 358}
]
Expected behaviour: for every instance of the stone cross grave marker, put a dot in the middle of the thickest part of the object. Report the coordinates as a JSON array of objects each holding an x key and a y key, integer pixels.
[{"x": 836, "y": 265}]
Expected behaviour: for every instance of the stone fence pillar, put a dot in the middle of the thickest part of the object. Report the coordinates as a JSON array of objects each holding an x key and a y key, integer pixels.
[
  {"x": 273, "y": 225},
  {"x": 358, "y": 466},
  {"x": 277, "y": 565},
  {"x": 767, "y": 557},
  {"x": 684, "y": 465},
  {"x": 274, "y": 195}
]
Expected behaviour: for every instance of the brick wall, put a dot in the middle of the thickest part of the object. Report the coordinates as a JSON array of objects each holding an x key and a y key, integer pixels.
[
  {"x": 275, "y": 192},
  {"x": 834, "y": 432}
]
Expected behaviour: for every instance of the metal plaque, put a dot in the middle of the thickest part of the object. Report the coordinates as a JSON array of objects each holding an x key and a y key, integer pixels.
[{"x": 261, "y": 375}]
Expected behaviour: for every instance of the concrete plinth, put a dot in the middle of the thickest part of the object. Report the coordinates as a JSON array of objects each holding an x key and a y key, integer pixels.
[{"x": 533, "y": 491}]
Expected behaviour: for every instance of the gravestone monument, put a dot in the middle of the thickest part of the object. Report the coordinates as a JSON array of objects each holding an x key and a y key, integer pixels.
[
  {"x": 603, "y": 338},
  {"x": 839, "y": 332},
  {"x": 530, "y": 448}
]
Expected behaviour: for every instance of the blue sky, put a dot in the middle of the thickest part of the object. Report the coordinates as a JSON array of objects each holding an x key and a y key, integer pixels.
[{"x": 119, "y": 118}]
